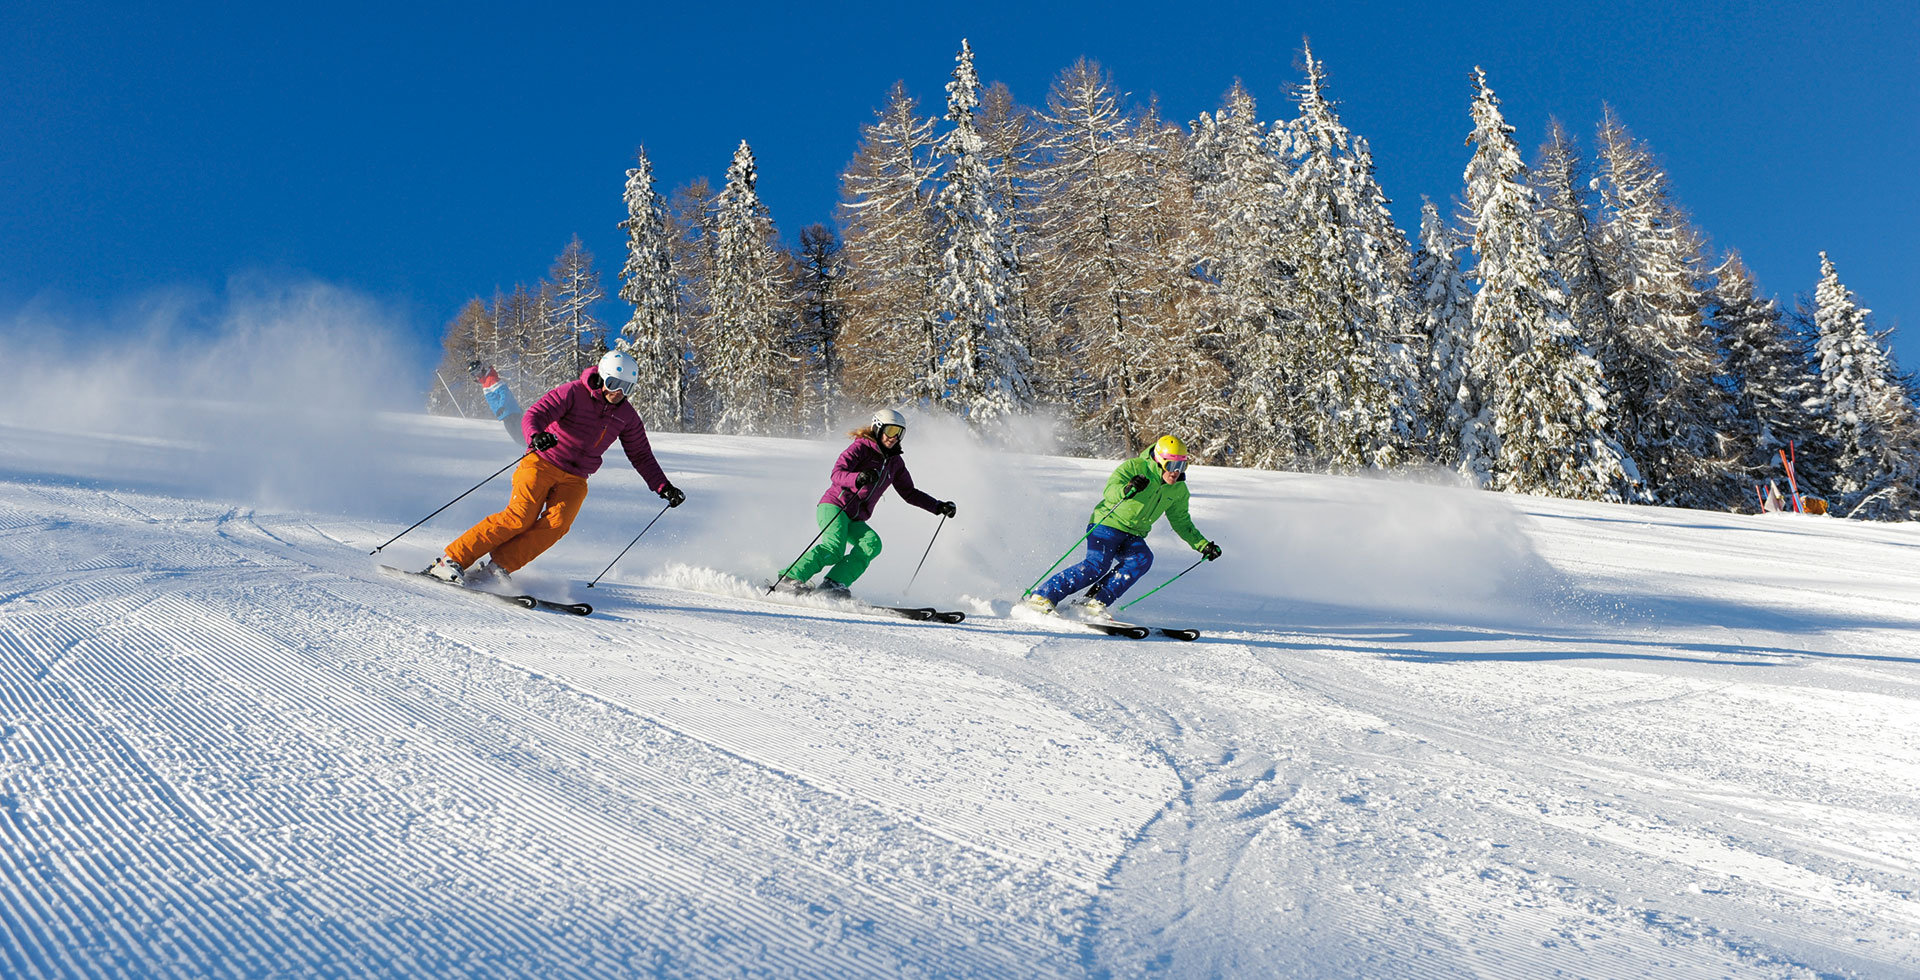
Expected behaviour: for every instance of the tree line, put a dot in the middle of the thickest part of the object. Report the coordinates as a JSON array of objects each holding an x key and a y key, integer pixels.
[{"x": 1565, "y": 331}]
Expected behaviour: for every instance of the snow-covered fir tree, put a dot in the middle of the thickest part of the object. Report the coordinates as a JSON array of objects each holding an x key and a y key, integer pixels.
[
  {"x": 652, "y": 334},
  {"x": 746, "y": 367},
  {"x": 1870, "y": 410},
  {"x": 1445, "y": 306},
  {"x": 984, "y": 363},
  {"x": 893, "y": 342},
  {"x": 1354, "y": 391},
  {"x": 1011, "y": 135},
  {"x": 1542, "y": 424},
  {"x": 1670, "y": 414},
  {"x": 1770, "y": 372},
  {"x": 1566, "y": 195},
  {"x": 1237, "y": 193}
]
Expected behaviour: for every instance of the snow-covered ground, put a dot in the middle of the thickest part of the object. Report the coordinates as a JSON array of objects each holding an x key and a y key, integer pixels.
[{"x": 1428, "y": 732}]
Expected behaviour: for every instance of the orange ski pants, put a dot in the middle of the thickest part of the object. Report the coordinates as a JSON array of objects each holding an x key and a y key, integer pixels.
[{"x": 545, "y": 501}]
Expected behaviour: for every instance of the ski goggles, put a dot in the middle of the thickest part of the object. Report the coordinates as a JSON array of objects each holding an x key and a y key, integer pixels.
[
  {"x": 1174, "y": 464},
  {"x": 616, "y": 385},
  {"x": 892, "y": 430}
]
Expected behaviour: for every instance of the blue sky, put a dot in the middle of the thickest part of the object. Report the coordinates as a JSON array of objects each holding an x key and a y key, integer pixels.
[{"x": 422, "y": 154}]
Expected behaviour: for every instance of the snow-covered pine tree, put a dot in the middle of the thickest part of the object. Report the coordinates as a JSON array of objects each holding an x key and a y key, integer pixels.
[
  {"x": 1870, "y": 409},
  {"x": 984, "y": 362},
  {"x": 817, "y": 339},
  {"x": 892, "y": 342},
  {"x": 1237, "y": 193},
  {"x": 1354, "y": 391},
  {"x": 1097, "y": 257},
  {"x": 1543, "y": 425},
  {"x": 1670, "y": 414},
  {"x": 1769, "y": 370},
  {"x": 652, "y": 334},
  {"x": 1445, "y": 306},
  {"x": 1565, "y": 191},
  {"x": 1011, "y": 133},
  {"x": 570, "y": 337},
  {"x": 743, "y": 350}
]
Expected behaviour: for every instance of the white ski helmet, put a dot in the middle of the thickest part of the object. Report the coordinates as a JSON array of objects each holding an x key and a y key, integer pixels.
[
  {"x": 886, "y": 417},
  {"x": 619, "y": 371}
]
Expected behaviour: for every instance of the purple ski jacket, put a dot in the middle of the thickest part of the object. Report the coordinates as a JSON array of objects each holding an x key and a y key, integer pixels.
[
  {"x": 577, "y": 415},
  {"x": 863, "y": 456}
]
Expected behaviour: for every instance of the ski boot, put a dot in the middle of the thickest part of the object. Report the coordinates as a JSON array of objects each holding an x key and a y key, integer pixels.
[
  {"x": 1039, "y": 603},
  {"x": 1095, "y": 610},
  {"x": 788, "y": 586},
  {"x": 489, "y": 576},
  {"x": 447, "y": 570},
  {"x": 833, "y": 590}
]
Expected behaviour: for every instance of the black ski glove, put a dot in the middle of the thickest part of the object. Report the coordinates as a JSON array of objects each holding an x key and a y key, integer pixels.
[
  {"x": 947, "y": 509},
  {"x": 865, "y": 479},
  {"x": 672, "y": 495},
  {"x": 1209, "y": 551},
  {"x": 1134, "y": 486},
  {"x": 542, "y": 441}
]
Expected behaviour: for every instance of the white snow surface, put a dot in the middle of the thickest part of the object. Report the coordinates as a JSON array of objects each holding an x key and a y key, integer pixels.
[{"x": 1427, "y": 733}]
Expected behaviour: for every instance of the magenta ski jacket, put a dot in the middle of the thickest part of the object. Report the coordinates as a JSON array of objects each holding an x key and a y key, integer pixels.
[
  {"x": 585, "y": 425},
  {"x": 890, "y": 467}
]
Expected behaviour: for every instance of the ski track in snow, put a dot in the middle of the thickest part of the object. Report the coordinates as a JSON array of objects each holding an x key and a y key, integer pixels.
[{"x": 230, "y": 747}]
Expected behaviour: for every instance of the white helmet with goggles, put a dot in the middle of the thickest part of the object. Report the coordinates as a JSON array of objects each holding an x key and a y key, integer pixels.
[
  {"x": 619, "y": 371},
  {"x": 887, "y": 418}
]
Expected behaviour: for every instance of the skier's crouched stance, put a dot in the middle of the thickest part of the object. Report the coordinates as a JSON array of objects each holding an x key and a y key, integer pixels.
[
  {"x": 861, "y": 476},
  {"x": 567, "y": 430},
  {"x": 1139, "y": 491}
]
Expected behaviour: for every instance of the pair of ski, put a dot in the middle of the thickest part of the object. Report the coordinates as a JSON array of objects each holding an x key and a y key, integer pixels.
[
  {"x": 523, "y": 601},
  {"x": 1114, "y": 627},
  {"x": 919, "y": 614},
  {"x": 1135, "y": 631}
]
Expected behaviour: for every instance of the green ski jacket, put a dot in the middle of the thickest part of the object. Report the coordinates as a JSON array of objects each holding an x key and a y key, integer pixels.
[{"x": 1136, "y": 514}]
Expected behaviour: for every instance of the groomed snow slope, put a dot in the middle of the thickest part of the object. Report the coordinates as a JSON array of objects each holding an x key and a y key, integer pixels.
[{"x": 1428, "y": 733}]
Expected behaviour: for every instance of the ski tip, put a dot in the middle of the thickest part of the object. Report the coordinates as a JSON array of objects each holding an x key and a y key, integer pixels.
[{"x": 1188, "y": 635}]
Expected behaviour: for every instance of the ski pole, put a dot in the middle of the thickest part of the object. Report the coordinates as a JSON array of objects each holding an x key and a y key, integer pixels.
[
  {"x": 1168, "y": 582},
  {"x": 1090, "y": 526},
  {"x": 924, "y": 554},
  {"x": 455, "y": 500},
  {"x": 782, "y": 577},
  {"x": 629, "y": 547}
]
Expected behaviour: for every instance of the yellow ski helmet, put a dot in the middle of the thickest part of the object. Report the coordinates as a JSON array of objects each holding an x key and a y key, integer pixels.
[{"x": 1170, "y": 448}]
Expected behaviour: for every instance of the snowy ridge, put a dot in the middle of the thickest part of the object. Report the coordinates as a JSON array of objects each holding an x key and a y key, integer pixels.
[{"x": 1427, "y": 733}]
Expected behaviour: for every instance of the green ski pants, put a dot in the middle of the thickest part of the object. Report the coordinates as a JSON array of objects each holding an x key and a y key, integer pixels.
[{"x": 845, "y": 550}]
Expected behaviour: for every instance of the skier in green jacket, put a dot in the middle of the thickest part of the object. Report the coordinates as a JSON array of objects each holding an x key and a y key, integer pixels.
[{"x": 1139, "y": 491}]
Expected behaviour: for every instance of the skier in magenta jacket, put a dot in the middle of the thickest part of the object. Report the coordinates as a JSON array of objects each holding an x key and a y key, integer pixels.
[
  {"x": 861, "y": 477},
  {"x": 567, "y": 431}
]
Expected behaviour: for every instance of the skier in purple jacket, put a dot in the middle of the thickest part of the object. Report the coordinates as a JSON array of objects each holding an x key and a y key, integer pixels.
[{"x": 861, "y": 476}]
